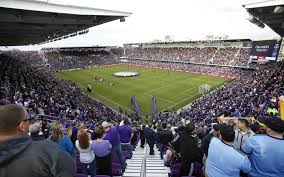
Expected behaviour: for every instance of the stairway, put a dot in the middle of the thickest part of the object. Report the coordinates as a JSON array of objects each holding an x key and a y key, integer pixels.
[
  {"x": 154, "y": 166},
  {"x": 144, "y": 165},
  {"x": 135, "y": 164}
]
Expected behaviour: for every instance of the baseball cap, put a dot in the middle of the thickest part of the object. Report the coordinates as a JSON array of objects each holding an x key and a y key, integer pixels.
[
  {"x": 274, "y": 123},
  {"x": 105, "y": 124}
]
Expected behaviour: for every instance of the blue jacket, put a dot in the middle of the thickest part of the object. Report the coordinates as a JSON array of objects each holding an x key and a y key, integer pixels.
[{"x": 66, "y": 145}]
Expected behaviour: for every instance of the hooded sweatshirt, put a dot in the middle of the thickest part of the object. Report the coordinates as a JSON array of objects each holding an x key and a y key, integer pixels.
[
  {"x": 241, "y": 137},
  {"x": 20, "y": 156}
]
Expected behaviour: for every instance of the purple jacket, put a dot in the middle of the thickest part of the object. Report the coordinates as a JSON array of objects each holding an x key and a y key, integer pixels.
[
  {"x": 125, "y": 133},
  {"x": 113, "y": 136}
]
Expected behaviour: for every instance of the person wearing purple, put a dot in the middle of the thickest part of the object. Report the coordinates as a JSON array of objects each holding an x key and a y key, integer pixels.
[
  {"x": 102, "y": 150},
  {"x": 125, "y": 133},
  {"x": 112, "y": 135}
]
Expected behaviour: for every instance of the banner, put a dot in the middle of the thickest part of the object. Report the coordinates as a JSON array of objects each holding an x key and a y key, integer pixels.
[
  {"x": 135, "y": 106},
  {"x": 282, "y": 107},
  {"x": 154, "y": 108}
]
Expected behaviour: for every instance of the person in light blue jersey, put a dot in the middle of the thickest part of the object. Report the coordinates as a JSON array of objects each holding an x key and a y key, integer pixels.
[
  {"x": 223, "y": 159},
  {"x": 266, "y": 152}
]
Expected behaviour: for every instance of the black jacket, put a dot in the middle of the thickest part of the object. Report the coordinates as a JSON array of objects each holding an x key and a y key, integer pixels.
[
  {"x": 37, "y": 137},
  {"x": 20, "y": 156},
  {"x": 188, "y": 147},
  {"x": 205, "y": 143},
  {"x": 165, "y": 136},
  {"x": 150, "y": 135}
]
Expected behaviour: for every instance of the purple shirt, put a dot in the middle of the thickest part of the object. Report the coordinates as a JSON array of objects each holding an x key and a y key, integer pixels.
[
  {"x": 101, "y": 149},
  {"x": 125, "y": 133},
  {"x": 113, "y": 136}
]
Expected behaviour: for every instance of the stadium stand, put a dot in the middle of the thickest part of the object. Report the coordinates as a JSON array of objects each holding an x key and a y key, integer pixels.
[
  {"x": 229, "y": 53},
  {"x": 64, "y": 59},
  {"x": 42, "y": 116}
]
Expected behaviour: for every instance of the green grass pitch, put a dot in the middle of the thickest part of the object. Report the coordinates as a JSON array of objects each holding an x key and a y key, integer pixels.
[{"x": 173, "y": 89}]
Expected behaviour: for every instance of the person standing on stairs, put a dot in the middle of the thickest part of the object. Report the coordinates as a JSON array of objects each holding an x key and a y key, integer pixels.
[
  {"x": 125, "y": 133},
  {"x": 188, "y": 148},
  {"x": 164, "y": 137},
  {"x": 112, "y": 135},
  {"x": 150, "y": 136},
  {"x": 142, "y": 136}
]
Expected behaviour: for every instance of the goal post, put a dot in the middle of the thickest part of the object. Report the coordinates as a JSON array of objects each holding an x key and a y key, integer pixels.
[{"x": 203, "y": 89}]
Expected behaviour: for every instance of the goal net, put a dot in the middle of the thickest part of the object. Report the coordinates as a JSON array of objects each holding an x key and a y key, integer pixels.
[{"x": 203, "y": 89}]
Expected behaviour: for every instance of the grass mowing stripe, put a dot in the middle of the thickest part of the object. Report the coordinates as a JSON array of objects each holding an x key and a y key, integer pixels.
[{"x": 170, "y": 87}]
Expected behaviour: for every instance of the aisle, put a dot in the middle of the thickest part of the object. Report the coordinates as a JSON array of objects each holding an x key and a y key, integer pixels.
[
  {"x": 135, "y": 164},
  {"x": 144, "y": 165},
  {"x": 154, "y": 165}
]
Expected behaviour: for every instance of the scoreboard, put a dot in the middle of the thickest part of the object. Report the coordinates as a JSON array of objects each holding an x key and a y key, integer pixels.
[{"x": 265, "y": 50}]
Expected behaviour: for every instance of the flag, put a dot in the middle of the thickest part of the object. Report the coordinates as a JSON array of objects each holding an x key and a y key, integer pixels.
[
  {"x": 154, "y": 108},
  {"x": 135, "y": 106},
  {"x": 282, "y": 107}
]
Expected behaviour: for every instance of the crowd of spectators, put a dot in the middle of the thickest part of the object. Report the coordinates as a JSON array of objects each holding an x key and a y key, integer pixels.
[
  {"x": 71, "y": 59},
  {"x": 253, "y": 94},
  {"x": 233, "y": 146},
  {"x": 214, "y": 70},
  {"x": 42, "y": 93},
  {"x": 94, "y": 130},
  {"x": 206, "y": 55},
  {"x": 99, "y": 150}
]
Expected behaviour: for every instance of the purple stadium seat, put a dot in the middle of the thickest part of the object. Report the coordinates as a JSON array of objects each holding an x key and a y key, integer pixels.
[
  {"x": 126, "y": 155},
  {"x": 197, "y": 169},
  {"x": 175, "y": 170},
  {"x": 115, "y": 159},
  {"x": 101, "y": 176},
  {"x": 81, "y": 175},
  {"x": 116, "y": 169},
  {"x": 79, "y": 170}
]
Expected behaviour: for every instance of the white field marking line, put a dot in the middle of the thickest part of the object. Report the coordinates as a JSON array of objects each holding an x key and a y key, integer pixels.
[
  {"x": 146, "y": 93},
  {"x": 114, "y": 102},
  {"x": 190, "y": 97},
  {"x": 197, "y": 85},
  {"x": 160, "y": 98},
  {"x": 168, "y": 85}
]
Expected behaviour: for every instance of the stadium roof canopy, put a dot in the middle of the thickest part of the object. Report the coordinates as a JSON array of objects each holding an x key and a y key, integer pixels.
[
  {"x": 269, "y": 12},
  {"x": 24, "y": 22}
]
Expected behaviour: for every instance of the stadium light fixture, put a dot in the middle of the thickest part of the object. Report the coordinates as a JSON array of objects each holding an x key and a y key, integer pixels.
[
  {"x": 278, "y": 9},
  {"x": 255, "y": 21},
  {"x": 122, "y": 19}
]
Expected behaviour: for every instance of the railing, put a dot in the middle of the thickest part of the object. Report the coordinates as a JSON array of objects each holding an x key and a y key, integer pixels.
[{"x": 46, "y": 118}]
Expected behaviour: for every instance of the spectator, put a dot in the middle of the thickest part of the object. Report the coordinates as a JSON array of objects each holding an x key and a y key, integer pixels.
[
  {"x": 242, "y": 133},
  {"x": 223, "y": 160},
  {"x": 112, "y": 135},
  {"x": 167, "y": 157},
  {"x": 87, "y": 157},
  {"x": 62, "y": 140},
  {"x": 142, "y": 136},
  {"x": 20, "y": 156},
  {"x": 35, "y": 133},
  {"x": 266, "y": 151},
  {"x": 188, "y": 149},
  {"x": 207, "y": 139},
  {"x": 150, "y": 136},
  {"x": 164, "y": 137},
  {"x": 102, "y": 150},
  {"x": 125, "y": 133},
  {"x": 73, "y": 132}
]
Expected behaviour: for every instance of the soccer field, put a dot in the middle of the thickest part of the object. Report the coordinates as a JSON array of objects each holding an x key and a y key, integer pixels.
[{"x": 172, "y": 89}]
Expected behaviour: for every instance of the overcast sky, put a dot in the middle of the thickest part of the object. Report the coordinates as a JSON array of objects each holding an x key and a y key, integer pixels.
[{"x": 153, "y": 19}]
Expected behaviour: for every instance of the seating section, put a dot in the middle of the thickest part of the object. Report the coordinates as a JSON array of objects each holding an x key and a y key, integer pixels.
[{"x": 207, "y": 55}]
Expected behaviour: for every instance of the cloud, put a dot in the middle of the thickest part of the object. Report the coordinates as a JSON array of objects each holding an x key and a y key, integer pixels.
[{"x": 153, "y": 19}]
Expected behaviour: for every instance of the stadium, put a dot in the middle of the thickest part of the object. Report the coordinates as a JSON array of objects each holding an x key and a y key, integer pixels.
[{"x": 211, "y": 106}]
